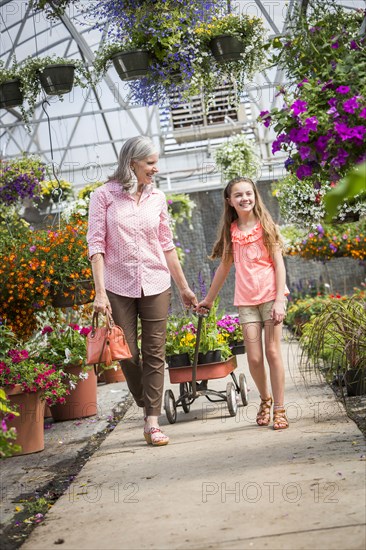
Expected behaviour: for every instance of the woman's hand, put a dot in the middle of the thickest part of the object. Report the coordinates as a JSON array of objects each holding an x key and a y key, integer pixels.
[
  {"x": 278, "y": 311},
  {"x": 101, "y": 303},
  {"x": 188, "y": 297}
]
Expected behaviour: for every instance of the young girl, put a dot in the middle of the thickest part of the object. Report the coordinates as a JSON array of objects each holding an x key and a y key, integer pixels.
[{"x": 248, "y": 237}]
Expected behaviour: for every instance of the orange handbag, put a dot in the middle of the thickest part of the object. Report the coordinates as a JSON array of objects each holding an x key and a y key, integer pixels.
[{"x": 106, "y": 344}]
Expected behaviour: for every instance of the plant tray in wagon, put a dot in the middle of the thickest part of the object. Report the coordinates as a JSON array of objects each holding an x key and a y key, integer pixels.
[{"x": 208, "y": 371}]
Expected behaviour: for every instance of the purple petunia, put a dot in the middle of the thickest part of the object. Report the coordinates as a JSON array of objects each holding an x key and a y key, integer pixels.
[
  {"x": 299, "y": 135},
  {"x": 266, "y": 118},
  {"x": 343, "y": 89},
  {"x": 340, "y": 159},
  {"x": 311, "y": 123},
  {"x": 343, "y": 130},
  {"x": 304, "y": 152},
  {"x": 351, "y": 105},
  {"x": 299, "y": 107},
  {"x": 362, "y": 114},
  {"x": 304, "y": 171}
]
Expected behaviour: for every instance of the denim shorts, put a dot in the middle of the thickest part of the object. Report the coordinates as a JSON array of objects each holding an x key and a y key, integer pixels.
[{"x": 258, "y": 313}]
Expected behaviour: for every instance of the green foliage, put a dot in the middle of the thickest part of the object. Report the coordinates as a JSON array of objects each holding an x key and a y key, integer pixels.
[
  {"x": 352, "y": 185},
  {"x": 7, "y": 435},
  {"x": 304, "y": 310},
  {"x": 336, "y": 338},
  {"x": 303, "y": 203},
  {"x": 238, "y": 156}
]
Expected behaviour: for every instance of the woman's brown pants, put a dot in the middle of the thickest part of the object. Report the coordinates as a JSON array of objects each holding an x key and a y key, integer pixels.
[{"x": 145, "y": 373}]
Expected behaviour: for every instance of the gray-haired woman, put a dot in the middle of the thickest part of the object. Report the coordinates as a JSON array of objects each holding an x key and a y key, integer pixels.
[{"x": 133, "y": 256}]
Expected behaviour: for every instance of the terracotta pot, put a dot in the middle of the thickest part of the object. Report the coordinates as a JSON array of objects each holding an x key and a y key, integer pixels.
[
  {"x": 111, "y": 376},
  {"x": 30, "y": 423},
  {"x": 82, "y": 401},
  {"x": 47, "y": 411}
]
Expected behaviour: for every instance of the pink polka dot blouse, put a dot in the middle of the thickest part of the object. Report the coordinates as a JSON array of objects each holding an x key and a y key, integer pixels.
[{"x": 133, "y": 238}]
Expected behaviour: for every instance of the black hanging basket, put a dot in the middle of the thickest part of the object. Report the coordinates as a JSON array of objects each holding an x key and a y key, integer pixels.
[
  {"x": 226, "y": 48},
  {"x": 10, "y": 94},
  {"x": 131, "y": 65},
  {"x": 57, "y": 79}
]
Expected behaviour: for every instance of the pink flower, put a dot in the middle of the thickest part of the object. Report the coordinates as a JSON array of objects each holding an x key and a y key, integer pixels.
[{"x": 47, "y": 329}]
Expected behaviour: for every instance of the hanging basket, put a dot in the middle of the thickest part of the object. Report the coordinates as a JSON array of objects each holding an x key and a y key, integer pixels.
[
  {"x": 226, "y": 48},
  {"x": 76, "y": 294},
  {"x": 131, "y": 65},
  {"x": 10, "y": 94},
  {"x": 57, "y": 79}
]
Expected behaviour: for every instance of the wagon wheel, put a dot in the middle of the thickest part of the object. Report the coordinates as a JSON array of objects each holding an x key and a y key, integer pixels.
[
  {"x": 183, "y": 388},
  {"x": 232, "y": 404},
  {"x": 243, "y": 389},
  {"x": 170, "y": 406}
]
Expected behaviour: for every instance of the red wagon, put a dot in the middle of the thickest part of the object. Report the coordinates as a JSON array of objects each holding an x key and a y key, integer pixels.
[{"x": 190, "y": 390}]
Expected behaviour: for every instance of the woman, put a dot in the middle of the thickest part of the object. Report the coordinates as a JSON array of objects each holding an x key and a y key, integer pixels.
[{"x": 133, "y": 255}]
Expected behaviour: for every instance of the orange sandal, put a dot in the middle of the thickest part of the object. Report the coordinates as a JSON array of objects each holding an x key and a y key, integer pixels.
[
  {"x": 156, "y": 437},
  {"x": 280, "y": 421},
  {"x": 264, "y": 412}
]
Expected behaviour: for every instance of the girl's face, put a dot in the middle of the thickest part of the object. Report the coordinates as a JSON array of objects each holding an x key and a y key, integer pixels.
[
  {"x": 242, "y": 197},
  {"x": 145, "y": 169}
]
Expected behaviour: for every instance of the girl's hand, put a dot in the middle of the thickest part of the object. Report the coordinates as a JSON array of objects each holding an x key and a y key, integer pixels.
[
  {"x": 278, "y": 311},
  {"x": 188, "y": 298},
  {"x": 101, "y": 303},
  {"x": 203, "y": 307}
]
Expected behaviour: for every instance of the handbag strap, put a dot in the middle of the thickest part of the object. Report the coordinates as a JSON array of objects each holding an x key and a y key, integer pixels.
[{"x": 109, "y": 321}]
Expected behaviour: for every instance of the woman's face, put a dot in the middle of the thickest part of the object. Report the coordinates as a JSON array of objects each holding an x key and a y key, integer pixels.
[{"x": 145, "y": 169}]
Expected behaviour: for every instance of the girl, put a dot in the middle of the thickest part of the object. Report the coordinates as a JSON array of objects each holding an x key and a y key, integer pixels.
[{"x": 248, "y": 237}]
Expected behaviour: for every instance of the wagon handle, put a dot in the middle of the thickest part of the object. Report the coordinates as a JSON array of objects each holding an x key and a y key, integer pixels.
[{"x": 195, "y": 359}]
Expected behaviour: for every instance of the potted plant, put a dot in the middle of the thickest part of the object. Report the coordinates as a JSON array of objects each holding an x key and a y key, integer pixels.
[
  {"x": 238, "y": 156},
  {"x": 8, "y": 435},
  {"x": 41, "y": 267},
  {"x": 321, "y": 122},
  {"x": 54, "y": 191},
  {"x": 20, "y": 178},
  {"x": 11, "y": 94},
  {"x": 230, "y": 328},
  {"x": 56, "y": 75},
  {"x": 235, "y": 37},
  {"x": 131, "y": 60},
  {"x": 164, "y": 29},
  {"x": 64, "y": 344},
  {"x": 180, "y": 341},
  {"x": 27, "y": 383},
  {"x": 336, "y": 339}
]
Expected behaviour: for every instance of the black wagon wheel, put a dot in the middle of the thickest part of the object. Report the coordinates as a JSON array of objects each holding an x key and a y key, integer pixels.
[
  {"x": 170, "y": 406},
  {"x": 243, "y": 389},
  {"x": 183, "y": 388},
  {"x": 232, "y": 404}
]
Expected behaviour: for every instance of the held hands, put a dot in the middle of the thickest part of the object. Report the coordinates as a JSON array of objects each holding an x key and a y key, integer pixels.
[
  {"x": 278, "y": 312},
  {"x": 203, "y": 307}
]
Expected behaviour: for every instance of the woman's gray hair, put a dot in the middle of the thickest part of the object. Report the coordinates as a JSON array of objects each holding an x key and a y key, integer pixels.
[{"x": 136, "y": 148}]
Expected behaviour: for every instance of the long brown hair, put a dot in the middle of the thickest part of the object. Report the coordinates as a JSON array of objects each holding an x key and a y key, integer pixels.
[{"x": 271, "y": 236}]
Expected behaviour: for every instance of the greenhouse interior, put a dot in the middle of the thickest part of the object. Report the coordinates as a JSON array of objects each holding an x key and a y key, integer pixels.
[{"x": 267, "y": 95}]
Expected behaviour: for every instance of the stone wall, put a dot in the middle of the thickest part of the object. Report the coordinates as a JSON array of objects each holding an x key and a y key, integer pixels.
[{"x": 342, "y": 274}]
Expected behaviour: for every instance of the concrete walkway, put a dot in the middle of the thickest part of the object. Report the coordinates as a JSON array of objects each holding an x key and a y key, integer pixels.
[{"x": 222, "y": 482}]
